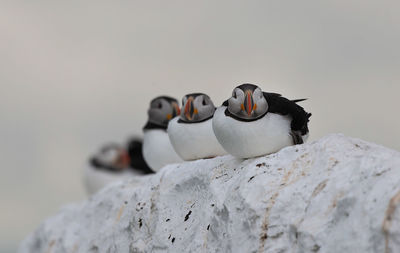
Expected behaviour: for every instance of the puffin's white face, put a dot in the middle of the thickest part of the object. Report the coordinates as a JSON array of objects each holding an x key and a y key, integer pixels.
[
  {"x": 162, "y": 110},
  {"x": 247, "y": 102},
  {"x": 114, "y": 156},
  {"x": 196, "y": 107}
]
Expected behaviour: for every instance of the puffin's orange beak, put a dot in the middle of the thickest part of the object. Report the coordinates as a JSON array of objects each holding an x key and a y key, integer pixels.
[
  {"x": 123, "y": 160},
  {"x": 176, "y": 111},
  {"x": 189, "y": 110},
  {"x": 248, "y": 104}
]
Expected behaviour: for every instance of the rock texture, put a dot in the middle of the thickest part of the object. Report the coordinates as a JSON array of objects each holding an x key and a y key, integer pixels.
[{"x": 337, "y": 194}]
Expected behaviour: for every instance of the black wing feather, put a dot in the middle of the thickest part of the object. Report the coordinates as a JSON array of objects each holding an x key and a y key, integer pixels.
[
  {"x": 299, "y": 100},
  {"x": 281, "y": 105}
]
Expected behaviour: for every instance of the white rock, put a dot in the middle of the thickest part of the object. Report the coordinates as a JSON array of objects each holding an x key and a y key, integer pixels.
[{"x": 337, "y": 194}]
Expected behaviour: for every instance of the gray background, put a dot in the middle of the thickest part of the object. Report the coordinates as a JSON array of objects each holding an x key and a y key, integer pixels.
[{"x": 74, "y": 75}]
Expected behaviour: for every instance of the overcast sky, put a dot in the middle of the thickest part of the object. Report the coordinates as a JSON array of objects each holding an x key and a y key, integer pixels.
[{"x": 77, "y": 74}]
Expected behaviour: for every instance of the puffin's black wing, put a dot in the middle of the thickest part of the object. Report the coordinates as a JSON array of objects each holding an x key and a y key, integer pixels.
[
  {"x": 136, "y": 156},
  {"x": 281, "y": 105},
  {"x": 299, "y": 100}
]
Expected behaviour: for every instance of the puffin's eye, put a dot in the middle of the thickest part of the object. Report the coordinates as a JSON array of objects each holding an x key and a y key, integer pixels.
[
  {"x": 159, "y": 106},
  {"x": 234, "y": 95},
  {"x": 204, "y": 102}
]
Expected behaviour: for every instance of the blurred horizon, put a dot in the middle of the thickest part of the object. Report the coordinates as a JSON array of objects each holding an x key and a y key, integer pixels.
[{"x": 76, "y": 75}]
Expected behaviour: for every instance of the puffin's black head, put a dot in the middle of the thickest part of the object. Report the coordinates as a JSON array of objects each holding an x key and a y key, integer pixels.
[
  {"x": 196, "y": 107},
  {"x": 247, "y": 102},
  {"x": 162, "y": 110}
]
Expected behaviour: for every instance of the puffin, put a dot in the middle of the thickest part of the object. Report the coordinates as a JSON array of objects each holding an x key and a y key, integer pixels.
[
  {"x": 115, "y": 162},
  {"x": 191, "y": 133},
  {"x": 157, "y": 148},
  {"x": 253, "y": 123}
]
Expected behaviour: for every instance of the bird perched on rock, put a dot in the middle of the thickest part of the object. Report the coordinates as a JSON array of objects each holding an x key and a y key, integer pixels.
[
  {"x": 191, "y": 133},
  {"x": 115, "y": 162},
  {"x": 253, "y": 123},
  {"x": 157, "y": 148}
]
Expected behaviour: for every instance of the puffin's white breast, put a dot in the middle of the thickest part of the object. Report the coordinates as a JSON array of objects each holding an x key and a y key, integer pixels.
[
  {"x": 157, "y": 149},
  {"x": 95, "y": 179},
  {"x": 194, "y": 140},
  {"x": 243, "y": 139}
]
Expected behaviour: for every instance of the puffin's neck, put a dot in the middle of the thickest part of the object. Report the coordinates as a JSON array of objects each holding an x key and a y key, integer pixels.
[
  {"x": 150, "y": 125},
  {"x": 228, "y": 114}
]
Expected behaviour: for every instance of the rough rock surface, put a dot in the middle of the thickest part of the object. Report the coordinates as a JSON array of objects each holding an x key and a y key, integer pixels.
[{"x": 337, "y": 194}]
